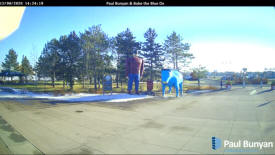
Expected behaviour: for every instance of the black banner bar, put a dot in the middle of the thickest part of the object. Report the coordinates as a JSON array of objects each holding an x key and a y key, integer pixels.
[{"x": 136, "y": 3}]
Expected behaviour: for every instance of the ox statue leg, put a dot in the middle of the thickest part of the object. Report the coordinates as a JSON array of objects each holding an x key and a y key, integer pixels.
[
  {"x": 181, "y": 89},
  {"x": 170, "y": 88},
  {"x": 177, "y": 90},
  {"x": 163, "y": 89}
]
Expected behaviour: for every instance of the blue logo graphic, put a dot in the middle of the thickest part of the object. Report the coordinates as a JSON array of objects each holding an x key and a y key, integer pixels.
[{"x": 216, "y": 143}]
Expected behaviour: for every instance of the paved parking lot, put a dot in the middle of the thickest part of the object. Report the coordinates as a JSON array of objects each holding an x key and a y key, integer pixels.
[{"x": 151, "y": 126}]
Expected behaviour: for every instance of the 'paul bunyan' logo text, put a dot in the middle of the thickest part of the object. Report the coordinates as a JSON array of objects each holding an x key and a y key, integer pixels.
[
  {"x": 244, "y": 144},
  {"x": 247, "y": 144}
]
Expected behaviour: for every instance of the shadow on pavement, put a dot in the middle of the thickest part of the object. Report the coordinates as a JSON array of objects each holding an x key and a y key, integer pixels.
[
  {"x": 199, "y": 92},
  {"x": 54, "y": 102},
  {"x": 265, "y": 103},
  {"x": 264, "y": 91},
  {"x": 21, "y": 100}
]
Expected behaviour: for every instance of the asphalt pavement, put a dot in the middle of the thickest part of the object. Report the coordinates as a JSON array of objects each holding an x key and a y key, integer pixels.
[{"x": 152, "y": 126}]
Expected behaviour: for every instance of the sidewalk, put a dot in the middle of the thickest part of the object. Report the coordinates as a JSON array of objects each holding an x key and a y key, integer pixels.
[
  {"x": 12, "y": 142},
  {"x": 3, "y": 148}
]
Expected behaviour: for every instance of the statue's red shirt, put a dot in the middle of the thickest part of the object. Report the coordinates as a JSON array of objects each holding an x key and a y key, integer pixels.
[{"x": 134, "y": 65}]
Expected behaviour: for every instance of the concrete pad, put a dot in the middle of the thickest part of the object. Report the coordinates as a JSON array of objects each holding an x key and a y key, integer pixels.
[
  {"x": 119, "y": 145},
  {"x": 82, "y": 150},
  {"x": 187, "y": 152},
  {"x": 3, "y": 148},
  {"x": 266, "y": 115},
  {"x": 246, "y": 129},
  {"x": 13, "y": 142},
  {"x": 202, "y": 145},
  {"x": 269, "y": 138},
  {"x": 209, "y": 132},
  {"x": 155, "y": 137},
  {"x": 42, "y": 137}
]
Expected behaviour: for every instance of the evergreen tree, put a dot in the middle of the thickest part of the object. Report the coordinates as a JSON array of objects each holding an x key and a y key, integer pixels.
[
  {"x": 115, "y": 58},
  {"x": 49, "y": 60},
  {"x": 38, "y": 68},
  {"x": 26, "y": 67},
  {"x": 177, "y": 52},
  {"x": 70, "y": 57},
  {"x": 10, "y": 62},
  {"x": 153, "y": 54},
  {"x": 125, "y": 44},
  {"x": 53, "y": 59},
  {"x": 62, "y": 74},
  {"x": 97, "y": 61}
]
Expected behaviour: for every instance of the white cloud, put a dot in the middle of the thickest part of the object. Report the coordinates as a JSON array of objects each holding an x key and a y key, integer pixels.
[{"x": 232, "y": 56}]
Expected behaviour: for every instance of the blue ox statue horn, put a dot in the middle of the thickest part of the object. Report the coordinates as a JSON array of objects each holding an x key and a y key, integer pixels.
[{"x": 171, "y": 78}]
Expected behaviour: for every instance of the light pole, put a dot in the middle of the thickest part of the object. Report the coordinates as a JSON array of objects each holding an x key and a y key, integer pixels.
[
  {"x": 244, "y": 73},
  {"x": 261, "y": 80},
  {"x": 262, "y": 77}
]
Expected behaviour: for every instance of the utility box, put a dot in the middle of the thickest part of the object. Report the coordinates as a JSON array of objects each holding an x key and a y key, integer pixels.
[
  {"x": 150, "y": 85},
  {"x": 107, "y": 84}
]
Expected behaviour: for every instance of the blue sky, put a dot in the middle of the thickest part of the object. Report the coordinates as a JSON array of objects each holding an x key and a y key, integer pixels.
[{"x": 222, "y": 38}]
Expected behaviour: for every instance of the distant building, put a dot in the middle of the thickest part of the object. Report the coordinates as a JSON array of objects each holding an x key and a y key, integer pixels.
[
  {"x": 252, "y": 75},
  {"x": 188, "y": 77},
  {"x": 269, "y": 74}
]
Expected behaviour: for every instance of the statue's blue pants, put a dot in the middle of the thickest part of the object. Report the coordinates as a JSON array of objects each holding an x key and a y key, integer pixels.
[{"x": 133, "y": 77}]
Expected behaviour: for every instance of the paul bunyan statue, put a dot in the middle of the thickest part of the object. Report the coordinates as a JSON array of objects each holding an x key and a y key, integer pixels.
[{"x": 134, "y": 71}]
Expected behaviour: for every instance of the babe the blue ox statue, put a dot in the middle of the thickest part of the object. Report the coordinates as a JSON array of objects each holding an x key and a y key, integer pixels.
[{"x": 171, "y": 78}]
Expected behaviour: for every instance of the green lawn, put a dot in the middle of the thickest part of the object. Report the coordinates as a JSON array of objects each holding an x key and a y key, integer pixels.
[{"x": 190, "y": 82}]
